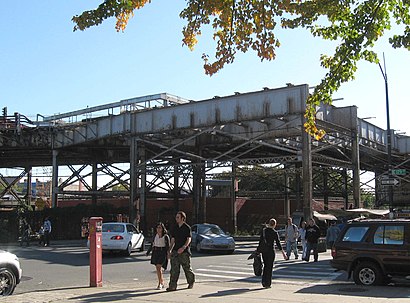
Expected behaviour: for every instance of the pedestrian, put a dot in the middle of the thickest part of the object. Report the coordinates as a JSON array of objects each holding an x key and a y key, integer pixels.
[
  {"x": 291, "y": 238},
  {"x": 302, "y": 234},
  {"x": 159, "y": 247},
  {"x": 332, "y": 233},
  {"x": 47, "y": 231},
  {"x": 41, "y": 236},
  {"x": 180, "y": 252},
  {"x": 25, "y": 237},
  {"x": 268, "y": 237},
  {"x": 312, "y": 237}
]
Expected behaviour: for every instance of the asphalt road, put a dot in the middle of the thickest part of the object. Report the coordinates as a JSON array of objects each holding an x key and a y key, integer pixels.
[{"x": 66, "y": 265}]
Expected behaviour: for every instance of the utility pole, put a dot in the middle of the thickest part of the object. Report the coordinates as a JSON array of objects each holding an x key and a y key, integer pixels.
[{"x": 389, "y": 162}]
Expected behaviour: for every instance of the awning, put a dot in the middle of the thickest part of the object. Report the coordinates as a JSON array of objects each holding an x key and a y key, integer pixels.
[
  {"x": 379, "y": 212},
  {"x": 323, "y": 217}
]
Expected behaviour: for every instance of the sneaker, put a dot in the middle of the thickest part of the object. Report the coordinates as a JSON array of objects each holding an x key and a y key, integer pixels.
[
  {"x": 160, "y": 286},
  {"x": 191, "y": 285}
]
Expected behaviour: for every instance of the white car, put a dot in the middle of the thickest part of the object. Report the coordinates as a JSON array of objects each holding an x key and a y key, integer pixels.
[
  {"x": 211, "y": 237},
  {"x": 122, "y": 237},
  {"x": 10, "y": 272}
]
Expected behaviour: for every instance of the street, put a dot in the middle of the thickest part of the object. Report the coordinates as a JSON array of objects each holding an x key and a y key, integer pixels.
[{"x": 63, "y": 266}]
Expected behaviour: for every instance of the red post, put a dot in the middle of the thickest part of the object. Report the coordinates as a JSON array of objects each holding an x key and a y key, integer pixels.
[{"x": 95, "y": 251}]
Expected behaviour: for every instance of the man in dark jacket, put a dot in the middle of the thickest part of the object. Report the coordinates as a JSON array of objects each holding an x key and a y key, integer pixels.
[
  {"x": 312, "y": 237},
  {"x": 266, "y": 246}
]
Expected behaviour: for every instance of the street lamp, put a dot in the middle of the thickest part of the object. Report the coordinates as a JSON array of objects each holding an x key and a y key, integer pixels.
[{"x": 389, "y": 164}]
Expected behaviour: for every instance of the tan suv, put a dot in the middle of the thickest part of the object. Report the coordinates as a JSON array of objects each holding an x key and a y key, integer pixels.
[{"x": 373, "y": 250}]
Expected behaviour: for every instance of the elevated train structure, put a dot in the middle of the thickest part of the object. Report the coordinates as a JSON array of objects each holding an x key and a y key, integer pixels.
[{"x": 172, "y": 143}]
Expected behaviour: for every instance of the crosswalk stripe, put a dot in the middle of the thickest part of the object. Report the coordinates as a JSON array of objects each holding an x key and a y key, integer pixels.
[{"x": 224, "y": 271}]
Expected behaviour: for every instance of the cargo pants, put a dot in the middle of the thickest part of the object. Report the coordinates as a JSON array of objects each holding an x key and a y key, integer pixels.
[{"x": 178, "y": 260}]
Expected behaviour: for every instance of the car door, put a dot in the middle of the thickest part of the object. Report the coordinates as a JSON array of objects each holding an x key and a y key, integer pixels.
[
  {"x": 194, "y": 233},
  {"x": 136, "y": 237}
]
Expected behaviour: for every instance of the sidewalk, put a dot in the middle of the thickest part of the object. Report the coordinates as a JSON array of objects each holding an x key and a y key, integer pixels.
[{"x": 212, "y": 291}]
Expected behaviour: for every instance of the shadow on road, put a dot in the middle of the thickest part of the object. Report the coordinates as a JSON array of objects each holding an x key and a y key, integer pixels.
[{"x": 397, "y": 291}]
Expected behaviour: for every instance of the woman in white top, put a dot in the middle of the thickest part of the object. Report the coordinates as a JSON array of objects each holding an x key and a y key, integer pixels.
[
  {"x": 302, "y": 234},
  {"x": 159, "y": 247}
]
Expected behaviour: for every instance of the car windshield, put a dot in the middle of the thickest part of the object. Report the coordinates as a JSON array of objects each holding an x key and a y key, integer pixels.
[
  {"x": 211, "y": 230},
  {"x": 113, "y": 228}
]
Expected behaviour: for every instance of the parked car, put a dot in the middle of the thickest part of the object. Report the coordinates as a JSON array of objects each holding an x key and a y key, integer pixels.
[
  {"x": 211, "y": 237},
  {"x": 373, "y": 251},
  {"x": 121, "y": 237},
  {"x": 10, "y": 272}
]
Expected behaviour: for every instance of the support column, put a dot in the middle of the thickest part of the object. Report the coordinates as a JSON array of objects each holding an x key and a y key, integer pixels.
[
  {"x": 143, "y": 190},
  {"x": 286, "y": 193},
  {"x": 176, "y": 185},
  {"x": 307, "y": 174},
  {"x": 202, "y": 215},
  {"x": 325, "y": 173},
  {"x": 29, "y": 196},
  {"x": 134, "y": 201},
  {"x": 54, "y": 180},
  {"x": 233, "y": 199},
  {"x": 346, "y": 188},
  {"x": 94, "y": 182},
  {"x": 356, "y": 170},
  {"x": 196, "y": 187},
  {"x": 298, "y": 185}
]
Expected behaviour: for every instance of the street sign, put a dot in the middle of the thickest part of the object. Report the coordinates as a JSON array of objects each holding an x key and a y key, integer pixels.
[
  {"x": 399, "y": 172},
  {"x": 389, "y": 182}
]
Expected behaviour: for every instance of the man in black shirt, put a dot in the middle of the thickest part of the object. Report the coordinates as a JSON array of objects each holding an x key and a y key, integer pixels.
[
  {"x": 180, "y": 253},
  {"x": 312, "y": 237},
  {"x": 266, "y": 246}
]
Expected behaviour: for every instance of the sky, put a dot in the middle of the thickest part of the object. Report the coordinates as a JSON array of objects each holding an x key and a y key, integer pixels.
[{"x": 46, "y": 68}]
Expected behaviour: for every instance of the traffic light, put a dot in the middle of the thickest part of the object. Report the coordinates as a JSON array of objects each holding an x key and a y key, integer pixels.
[{"x": 4, "y": 110}]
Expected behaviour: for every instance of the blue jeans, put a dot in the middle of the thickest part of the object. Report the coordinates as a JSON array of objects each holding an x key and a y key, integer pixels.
[
  {"x": 309, "y": 247},
  {"x": 291, "y": 246}
]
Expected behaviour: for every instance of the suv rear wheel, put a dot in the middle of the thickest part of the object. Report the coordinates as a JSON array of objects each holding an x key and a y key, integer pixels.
[{"x": 367, "y": 273}]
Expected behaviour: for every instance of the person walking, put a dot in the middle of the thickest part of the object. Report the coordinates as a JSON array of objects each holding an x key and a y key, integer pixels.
[
  {"x": 291, "y": 238},
  {"x": 268, "y": 237},
  {"x": 180, "y": 252},
  {"x": 47, "y": 231},
  {"x": 302, "y": 234},
  {"x": 331, "y": 234},
  {"x": 312, "y": 237},
  {"x": 159, "y": 247}
]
